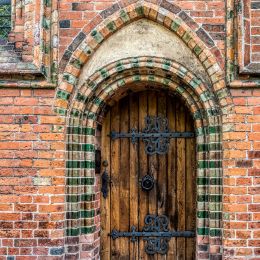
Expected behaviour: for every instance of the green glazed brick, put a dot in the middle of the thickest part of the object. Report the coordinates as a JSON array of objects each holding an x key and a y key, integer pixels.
[
  {"x": 175, "y": 25},
  {"x": 87, "y": 181},
  {"x": 70, "y": 78},
  {"x": 87, "y": 230},
  {"x": 215, "y": 215},
  {"x": 72, "y": 181},
  {"x": 186, "y": 37},
  {"x": 202, "y": 181},
  {"x": 139, "y": 10},
  {"x": 215, "y": 181},
  {"x": 111, "y": 26},
  {"x": 197, "y": 50},
  {"x": 215, "y": 232},
  {"x": 87, "y": 197},
  {"x": 72, "y": 198},
  {"x": 202, "y": 214},
  {"x": 202, "y": 198},
  {"x": 215, "y": 198},
  {"x": 73, "y": 215},
  {"x": 87, "y": 214},
  {"x": 97, "y": 36},
  {"x": 124, "y": 16},
  {"x": 72, "y": 232},
  {"x": 63, "y": 94},
  {"x": 203, "y": 231}
]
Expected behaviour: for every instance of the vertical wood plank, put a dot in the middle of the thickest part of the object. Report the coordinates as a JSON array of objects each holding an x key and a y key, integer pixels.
[
  {"x": 105, "y": 203},
  {"x": 180, "y": 126},
  {"x": 115, "y": 169},
  {"x": 143, "y": 167},
  {"x": 171, "y": 209},
  {"x": 124, "y": 177},
  {"x": 190, "y": 188},
  {"x": 134, "y": 200},
  {"x": 152, "y": 159},
  {"x": 162, "y": 169}
]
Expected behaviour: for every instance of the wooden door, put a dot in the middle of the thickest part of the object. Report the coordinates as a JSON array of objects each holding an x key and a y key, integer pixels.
[{"x": 174, "y": 192}]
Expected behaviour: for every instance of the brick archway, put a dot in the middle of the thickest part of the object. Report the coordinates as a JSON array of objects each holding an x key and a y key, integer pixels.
[
  {"x": 85, "y": 107},
  {"x": 121, "y": 14}
]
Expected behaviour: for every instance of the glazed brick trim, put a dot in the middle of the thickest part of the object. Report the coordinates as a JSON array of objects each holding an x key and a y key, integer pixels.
[
  {"x": 85, "y": 109},
  {"x": 121, "y": 14}
]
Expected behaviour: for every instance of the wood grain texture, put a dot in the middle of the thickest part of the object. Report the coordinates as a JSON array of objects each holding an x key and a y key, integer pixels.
[{"x": 174, "y": 194}]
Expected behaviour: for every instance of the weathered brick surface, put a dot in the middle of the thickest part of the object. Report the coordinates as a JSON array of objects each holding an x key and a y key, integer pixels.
[
  {"x": 33, "y": 140},
  {"x": 31, "y": 175}
]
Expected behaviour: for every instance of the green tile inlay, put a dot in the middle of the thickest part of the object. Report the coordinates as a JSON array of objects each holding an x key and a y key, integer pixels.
[
  {"x": 139, "y": 10},
  {"x": 202, "y": 181},
  {"x": 209, "y": 164},
  {"x": 63, "y": 94},
  {"x": 124, "y": 16},
  {"x": 175, "y": 25},
  {"x": 87, "y": 213},
  {"x": 80, "y": 181},
  {"x": 80, "y": 164},
  {"x": 97, "y": 36},
  {"x": 215, "y": 232},
  {"x": 203, "y": 231},
  {"x": 72, "y": 231},
  {"x": 72, "y": 198},
  {"x": 202, "y": 198},
  {"x": 69, "y": 78},
  {"x": 215, "y": 215},
  {"x": 215, "y": 181},
  {"x": 87, "y": 197},
  {"x": 197, "y": 50},
  {"x": 82, "y": 131},
  {"x": 87, "y": 230},
  {"x": 202, "y": 214},
  {"x": 215, "y": 198},
  {"x": 111, "y": 26},
  {"x": 82, "y": 98}
]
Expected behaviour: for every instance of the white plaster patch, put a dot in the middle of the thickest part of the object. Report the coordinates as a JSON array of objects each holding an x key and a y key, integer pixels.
[{"x": 143, "y": 38}]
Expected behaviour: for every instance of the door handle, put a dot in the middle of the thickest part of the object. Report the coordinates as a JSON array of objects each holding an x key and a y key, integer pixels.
[{"x": 105, "y": 180}]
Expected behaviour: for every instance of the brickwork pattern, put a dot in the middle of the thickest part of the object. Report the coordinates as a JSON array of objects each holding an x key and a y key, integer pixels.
[{"x": 49, "y": 195}]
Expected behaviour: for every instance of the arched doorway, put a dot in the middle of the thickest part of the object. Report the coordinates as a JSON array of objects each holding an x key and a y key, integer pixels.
[{"x": 146, "y": 182}]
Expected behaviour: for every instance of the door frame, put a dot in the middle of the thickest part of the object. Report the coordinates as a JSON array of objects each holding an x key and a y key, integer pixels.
[{"x": 86, "y": 114}]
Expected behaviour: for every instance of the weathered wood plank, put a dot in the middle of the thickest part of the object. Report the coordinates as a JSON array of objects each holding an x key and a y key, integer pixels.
[
  {"x": 162, "y": 168},
  {"x": 134, "y": 158},
  {"x": 124, "y": 177},
  {"x": 143, "y": 167},
  {"x": 171, "y": 208},
  {"x": 115, "y": 170},
  {"x": 180, "y": 126},
  {"x": 105, "y": 203}
]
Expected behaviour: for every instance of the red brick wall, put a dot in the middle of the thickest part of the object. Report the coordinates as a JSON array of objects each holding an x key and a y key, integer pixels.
[
  {"x": 241, "y": 177},
  {"x": 32, "y": 159},
  {"x": 31, "y": 174}
]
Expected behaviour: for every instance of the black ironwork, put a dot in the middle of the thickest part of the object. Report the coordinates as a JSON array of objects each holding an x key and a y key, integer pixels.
[
  {"x": 155, "y": 232},
  {"x": 5, "y": 18},
  {"x": 147, "y": 182},
  {"x": 156, "y": 135},
  {"x": 105, "y": 183}
]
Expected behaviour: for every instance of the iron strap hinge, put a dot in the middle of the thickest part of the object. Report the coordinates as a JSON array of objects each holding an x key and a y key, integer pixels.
[
  {"x": 155, "y": 135},
  {"x": 155, "y": 233}
]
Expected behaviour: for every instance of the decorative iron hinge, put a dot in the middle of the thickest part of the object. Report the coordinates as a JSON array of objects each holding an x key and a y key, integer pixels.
[
  {"x": 156, "y": 135},
  {"x": 155, "y": 232}
]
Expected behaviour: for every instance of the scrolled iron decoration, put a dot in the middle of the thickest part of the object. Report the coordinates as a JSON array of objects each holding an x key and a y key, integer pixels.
[
  {"x": 155, "y": 232},
  {"x": 155, "y": 135}
]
